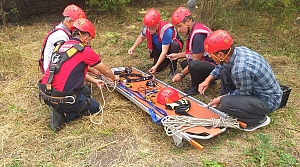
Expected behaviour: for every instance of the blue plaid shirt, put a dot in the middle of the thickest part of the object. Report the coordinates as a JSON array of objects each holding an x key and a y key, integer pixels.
[{"x": 252, "y": 75}]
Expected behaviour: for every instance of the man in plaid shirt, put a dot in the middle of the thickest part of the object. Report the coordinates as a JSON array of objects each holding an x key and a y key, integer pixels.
[{"x": 249, "y": 89}]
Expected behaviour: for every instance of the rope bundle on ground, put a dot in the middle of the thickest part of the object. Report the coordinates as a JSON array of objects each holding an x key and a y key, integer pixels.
[{"x": 173, "y": 124}]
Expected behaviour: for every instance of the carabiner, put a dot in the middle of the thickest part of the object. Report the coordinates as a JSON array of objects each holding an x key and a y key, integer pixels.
[{"x": 72, "y": 97}]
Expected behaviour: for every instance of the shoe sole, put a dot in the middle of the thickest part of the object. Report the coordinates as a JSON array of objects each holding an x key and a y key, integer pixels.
[{"x": 267, "y": 122}]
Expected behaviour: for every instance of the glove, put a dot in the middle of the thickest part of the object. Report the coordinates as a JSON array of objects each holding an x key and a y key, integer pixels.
[{"x": 181, "y": 107}]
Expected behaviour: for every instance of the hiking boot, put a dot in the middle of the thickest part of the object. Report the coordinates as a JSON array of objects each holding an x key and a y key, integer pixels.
[
  {"x": 192, "y": 91},
  {"x": 57, "y": 119},
  {"x": 264, "y": 122}
]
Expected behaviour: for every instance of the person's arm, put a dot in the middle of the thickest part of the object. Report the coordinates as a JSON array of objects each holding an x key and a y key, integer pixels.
[
  {"x": 198, "y": 46},
  {"x": 198, "y": 56},
  {"x": 106, "y": 71},
  {"x": 163, "y": 54},
  {"x": 175, "y": 56},
  {"x": 205, "y": 84},
  {"x": 137, "y": 42},
  {"x": 97, "y": 82}
]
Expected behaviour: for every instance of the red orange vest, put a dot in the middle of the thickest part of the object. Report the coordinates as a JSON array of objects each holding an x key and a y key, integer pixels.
[
  {"x": 162, "y": 28},
  {"x": 197, "y": 29}
]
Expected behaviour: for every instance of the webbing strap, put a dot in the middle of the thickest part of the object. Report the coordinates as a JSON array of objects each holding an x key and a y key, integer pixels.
[{"x": 151, "y": 111}]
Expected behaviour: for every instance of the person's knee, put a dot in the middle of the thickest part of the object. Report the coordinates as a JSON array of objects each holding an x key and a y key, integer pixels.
[
  {"x": 93, "y": 106},
  {"x": 226, "y": 103},
  {"x": 86, "y": 90},
  {"x": 183, "y": 64},
  {"x": 193, "y": 65},
  {"x": 174, "y": 48}
]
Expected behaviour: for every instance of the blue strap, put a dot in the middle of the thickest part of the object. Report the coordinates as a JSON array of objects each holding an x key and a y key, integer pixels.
[{"x": 140, "y": 96}]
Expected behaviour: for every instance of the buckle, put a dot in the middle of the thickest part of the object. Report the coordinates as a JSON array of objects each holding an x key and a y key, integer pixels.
[{"x": 72, "y": 97}]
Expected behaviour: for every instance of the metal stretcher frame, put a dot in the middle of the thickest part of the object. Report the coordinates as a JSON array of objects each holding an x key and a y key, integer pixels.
[{"x": 179, "y": 135}]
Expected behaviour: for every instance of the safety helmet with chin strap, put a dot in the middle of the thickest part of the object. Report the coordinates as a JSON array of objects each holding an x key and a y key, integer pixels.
[
  {"x": 179, "y": 15},
  {"x": 74, "y": 12},
  {"x": 84, "y": 25},
  {"x": 217, "y": 41},
  {"x": 167, "y": 95},
  {"x": 151, "y": 18}
]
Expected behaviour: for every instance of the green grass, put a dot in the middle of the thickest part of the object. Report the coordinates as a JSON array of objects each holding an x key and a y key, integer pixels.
[{"x": 127, "y": 136}]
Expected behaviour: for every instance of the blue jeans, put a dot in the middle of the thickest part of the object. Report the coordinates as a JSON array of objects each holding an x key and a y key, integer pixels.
[{"x": 71, "y": 111}]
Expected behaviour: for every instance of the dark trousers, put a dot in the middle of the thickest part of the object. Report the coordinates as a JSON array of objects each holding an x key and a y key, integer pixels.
[
  {"x": 246, "y": 108},
  {"x": 174, "y": 48},
  {"x": 71, "y": 111},
  {"x": 198, "y": 70}
]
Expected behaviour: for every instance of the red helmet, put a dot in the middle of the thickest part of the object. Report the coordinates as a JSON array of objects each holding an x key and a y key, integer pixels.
[
  {"x": 151, "y": 18},
  {"x": 179, "y": 14},
  {"x": 217, "y": 40},
  {"x": 167, "y": 95},
  {"x": 74, "y": 12},
  {"x": 84, "y": 25}
]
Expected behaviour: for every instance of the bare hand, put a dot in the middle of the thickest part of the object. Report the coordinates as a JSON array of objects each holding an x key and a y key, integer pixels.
[
  {"x": 202, "y": 87},
  {"x": 131, "y": 51},
  {"x": 215, "y": 102},
  {"x": 100, "y": 84},
  {"x": 153, "y": 69},
  {"x": 176, "y": 78},
  {"x": 172, "y": 56}
]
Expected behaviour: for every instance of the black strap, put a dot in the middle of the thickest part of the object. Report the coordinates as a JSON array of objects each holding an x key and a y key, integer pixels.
[
  {"x": 141, "y": 77},
  {"x": 57, "y": 59}
]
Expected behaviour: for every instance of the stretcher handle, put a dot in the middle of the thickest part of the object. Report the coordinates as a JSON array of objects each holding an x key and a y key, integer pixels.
[
  {"x": 242, "y": 124},
  {"x": 196, "y": 144}
]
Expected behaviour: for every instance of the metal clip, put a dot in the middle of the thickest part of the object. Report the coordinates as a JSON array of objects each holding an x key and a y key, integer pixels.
[{"x": 72, "y": 97}]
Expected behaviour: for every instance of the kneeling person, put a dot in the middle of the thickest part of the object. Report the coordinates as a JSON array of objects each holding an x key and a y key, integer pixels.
[
  {"x": 249, "y": 89},
  {"x": 62, "y": 85}
]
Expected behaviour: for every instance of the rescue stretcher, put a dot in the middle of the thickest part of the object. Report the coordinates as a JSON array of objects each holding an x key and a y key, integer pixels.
[{"x": 136, "y": 89}]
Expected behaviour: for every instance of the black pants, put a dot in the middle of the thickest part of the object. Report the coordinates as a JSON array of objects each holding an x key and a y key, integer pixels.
[
  {"x": 246, "y": 108},
  {"x": 174, "y": 48},
  {"x": 198, "y": 70}
]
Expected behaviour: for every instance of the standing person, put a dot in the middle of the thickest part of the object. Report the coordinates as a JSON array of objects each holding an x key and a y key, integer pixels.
[
  {"x": 191, "y": 4},
  {"x": 197, "y": 63},
  {"x": 249, "y": 90},
  {"x": 58, "y": 33},
  {"x": 62, "y": 85},
  {"x": 162, "y": 40}
]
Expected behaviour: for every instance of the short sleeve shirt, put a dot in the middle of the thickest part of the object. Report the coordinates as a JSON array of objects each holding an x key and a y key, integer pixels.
[{"x": 73, "y": 71}]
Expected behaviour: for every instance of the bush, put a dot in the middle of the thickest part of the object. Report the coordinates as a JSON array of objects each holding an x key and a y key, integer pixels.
[
  {"x": 109, "y": 5},
  {"x": 118, "y": 6},
  {"x": 272, "y": 6}
]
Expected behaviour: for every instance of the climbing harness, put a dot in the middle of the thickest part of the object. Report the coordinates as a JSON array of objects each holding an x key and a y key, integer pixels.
[{"x": 46, "y": 91}]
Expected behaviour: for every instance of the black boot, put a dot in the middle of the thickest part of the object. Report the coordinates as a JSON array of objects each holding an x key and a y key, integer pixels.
[{"x": 57, "y": 119}]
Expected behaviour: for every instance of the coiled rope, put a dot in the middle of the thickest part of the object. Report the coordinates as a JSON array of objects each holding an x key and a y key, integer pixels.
[
  {"x": 101, "y": 108},
  {"x": 174, "y": 124}
]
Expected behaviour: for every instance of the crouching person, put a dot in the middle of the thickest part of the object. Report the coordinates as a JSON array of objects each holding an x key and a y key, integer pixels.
[{"x": 62, "y": 85}]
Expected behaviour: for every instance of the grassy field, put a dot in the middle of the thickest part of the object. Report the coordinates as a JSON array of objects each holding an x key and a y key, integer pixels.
[{"x": 127, "y": 136}]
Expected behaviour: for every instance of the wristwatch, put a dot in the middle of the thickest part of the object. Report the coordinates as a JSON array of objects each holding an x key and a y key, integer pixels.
[{"x": 182, "y": 76}]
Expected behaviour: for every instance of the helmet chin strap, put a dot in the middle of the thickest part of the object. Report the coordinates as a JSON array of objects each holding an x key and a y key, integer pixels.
[
  {"x": 189, "y": 30},
  {"x": 82, "y": 39},
  {"x": 222, "y": 60}
]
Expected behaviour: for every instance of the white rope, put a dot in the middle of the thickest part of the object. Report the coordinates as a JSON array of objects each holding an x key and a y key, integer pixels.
[
  {"x": 173, "y": 124},
  {"x": 101, "y": 107}
]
